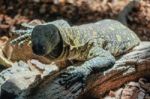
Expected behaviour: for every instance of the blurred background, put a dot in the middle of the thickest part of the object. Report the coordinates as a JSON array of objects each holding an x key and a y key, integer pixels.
[{"x": 15, "y": 12}]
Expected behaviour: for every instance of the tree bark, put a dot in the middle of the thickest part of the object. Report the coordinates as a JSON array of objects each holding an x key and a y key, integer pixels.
[{"x": 129, "y": 67}]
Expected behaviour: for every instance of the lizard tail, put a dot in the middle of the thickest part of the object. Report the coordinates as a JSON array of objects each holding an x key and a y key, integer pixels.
[{"x": 122, "y": 17}]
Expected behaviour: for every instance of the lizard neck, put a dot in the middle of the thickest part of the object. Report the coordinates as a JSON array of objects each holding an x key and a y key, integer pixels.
[
  {"x": 57, "y": 51},
  {"x": 54, "y": 56}
]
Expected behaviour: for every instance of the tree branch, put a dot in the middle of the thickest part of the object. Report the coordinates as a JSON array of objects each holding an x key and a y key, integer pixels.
[{"x": 129, "y": 67}]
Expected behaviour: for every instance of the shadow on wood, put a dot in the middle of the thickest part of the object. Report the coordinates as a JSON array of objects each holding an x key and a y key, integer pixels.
[{"x": 129, "y": 67}]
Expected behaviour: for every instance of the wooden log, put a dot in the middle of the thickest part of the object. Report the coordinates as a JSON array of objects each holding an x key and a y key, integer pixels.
[{"x": 129, "y": 67}]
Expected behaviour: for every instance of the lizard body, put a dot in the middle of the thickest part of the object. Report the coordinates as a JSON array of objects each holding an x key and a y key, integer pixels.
[
  {"x": 109, "y": 35},
  {"x": 96, "y": 44}
]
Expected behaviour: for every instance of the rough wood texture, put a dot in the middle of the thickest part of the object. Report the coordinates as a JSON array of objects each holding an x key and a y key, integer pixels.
[{"x": 130, "y": 67}]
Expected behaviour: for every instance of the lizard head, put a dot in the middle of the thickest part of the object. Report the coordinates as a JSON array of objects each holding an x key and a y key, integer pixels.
[{"x": 44, "y": 39}]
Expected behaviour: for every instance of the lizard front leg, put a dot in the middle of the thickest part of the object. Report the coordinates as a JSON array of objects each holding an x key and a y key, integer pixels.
[
  {"x": 98, "y": 60},
  {"x": 24, "y": 35}
]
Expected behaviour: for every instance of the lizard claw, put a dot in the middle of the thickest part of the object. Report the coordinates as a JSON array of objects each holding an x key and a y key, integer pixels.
[
  {"x": 21, "y": 32},
  {"x": 25, "y": 35},
  {"x": 72, "y": 76},
  {"x": 21, "y": 39},
  {"x": 28, "y": 25},
  {"x": 78, "y": 87}
]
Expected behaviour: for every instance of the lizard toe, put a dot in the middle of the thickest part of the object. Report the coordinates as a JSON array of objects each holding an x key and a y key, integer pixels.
[{"x": 71, "y": 81}]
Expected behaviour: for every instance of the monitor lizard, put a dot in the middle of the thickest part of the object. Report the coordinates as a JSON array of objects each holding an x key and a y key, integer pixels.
[{"x": 97, "y": 45}]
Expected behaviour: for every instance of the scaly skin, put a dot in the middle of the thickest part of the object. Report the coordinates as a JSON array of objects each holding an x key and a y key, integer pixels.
[{"x": 96, "y": 44}]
